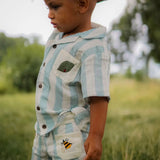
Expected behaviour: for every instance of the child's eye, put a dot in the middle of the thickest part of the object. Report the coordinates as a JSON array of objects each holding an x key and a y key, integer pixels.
[{"x": 55, "y": 7}]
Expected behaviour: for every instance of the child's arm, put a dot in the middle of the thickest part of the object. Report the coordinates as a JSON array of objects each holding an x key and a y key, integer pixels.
[{"x": 98, "y": 114}]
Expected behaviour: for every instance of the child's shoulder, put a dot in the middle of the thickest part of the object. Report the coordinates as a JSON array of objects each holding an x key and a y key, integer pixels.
[{"x": 95, "y": 41}]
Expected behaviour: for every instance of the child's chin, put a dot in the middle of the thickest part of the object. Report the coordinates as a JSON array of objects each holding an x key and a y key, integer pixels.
[{"x": 59, "y": 29}]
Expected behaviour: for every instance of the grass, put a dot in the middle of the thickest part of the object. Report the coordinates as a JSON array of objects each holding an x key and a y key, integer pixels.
[
  {"x": 133, "y": 124},
  {"x": 132, "y": 130},
  {"x": 16, "y": 126}
]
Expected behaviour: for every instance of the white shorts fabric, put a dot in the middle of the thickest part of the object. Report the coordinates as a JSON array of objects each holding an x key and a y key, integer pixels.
[{"x": 65, "y": 142}]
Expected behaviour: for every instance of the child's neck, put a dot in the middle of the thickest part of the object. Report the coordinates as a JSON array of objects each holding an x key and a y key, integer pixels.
[{"x": 78, "y": 30}]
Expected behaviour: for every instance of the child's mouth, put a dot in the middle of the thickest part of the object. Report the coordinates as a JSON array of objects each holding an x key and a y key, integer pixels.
[{"x": 54, "y": 25}]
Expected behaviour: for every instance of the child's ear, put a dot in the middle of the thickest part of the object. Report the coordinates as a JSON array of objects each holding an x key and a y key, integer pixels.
[{"x": 83, "y": 5}]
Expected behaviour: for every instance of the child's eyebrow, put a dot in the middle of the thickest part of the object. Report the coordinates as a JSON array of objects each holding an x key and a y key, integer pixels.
[{"x": 51, "y": 2}]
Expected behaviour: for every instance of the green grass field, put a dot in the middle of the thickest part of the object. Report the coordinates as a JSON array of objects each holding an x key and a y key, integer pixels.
[{"x": 132, "y": 129}]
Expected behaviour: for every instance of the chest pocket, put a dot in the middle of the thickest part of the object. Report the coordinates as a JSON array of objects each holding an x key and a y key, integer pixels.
[{"x": 66, "y": 66}]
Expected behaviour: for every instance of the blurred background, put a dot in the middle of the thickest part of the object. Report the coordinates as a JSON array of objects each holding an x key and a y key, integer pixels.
[{"x": 132, "y": 128}]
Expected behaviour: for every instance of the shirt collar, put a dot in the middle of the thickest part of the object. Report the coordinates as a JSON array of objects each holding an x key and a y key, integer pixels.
[{"x": 97, "y": 32}]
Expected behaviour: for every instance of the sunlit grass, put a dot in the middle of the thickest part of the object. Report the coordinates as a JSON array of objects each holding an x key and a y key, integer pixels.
[
  {"x": 16, "y": 126},
  {"x": 132, "y": 129}
]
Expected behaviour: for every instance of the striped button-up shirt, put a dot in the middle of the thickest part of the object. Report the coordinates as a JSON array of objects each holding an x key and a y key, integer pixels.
[{"x": 74, "y": 68}]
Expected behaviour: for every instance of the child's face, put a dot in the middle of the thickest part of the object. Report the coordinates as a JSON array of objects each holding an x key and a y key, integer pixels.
[{"x": 64, "y": 15}]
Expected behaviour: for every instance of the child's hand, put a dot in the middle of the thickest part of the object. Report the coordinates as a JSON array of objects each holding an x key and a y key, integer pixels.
[
  {"x": 93, "y": 147},
  {"x": 98, "y": 113}
]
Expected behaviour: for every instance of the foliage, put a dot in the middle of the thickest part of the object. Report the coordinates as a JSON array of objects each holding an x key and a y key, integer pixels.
[
  {"x": 129, "y": 73},
  {"x": 150, "y": 15},
  {"x": 8, "y": 42},
  {"x": 132, "y": 128},
  {"x": 21, "y": 62},
  {"x": 138, "y": 25},
  {"x": 139, "y": 75},
  {"x": 6, "y": 86}
]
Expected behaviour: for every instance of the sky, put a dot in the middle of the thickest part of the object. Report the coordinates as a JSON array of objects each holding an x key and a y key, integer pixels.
[{"x": 30, "y": 17}]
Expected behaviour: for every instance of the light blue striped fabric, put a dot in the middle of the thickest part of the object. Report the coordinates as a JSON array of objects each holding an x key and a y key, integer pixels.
[
  {"x": 51, "y": 147},
  {"x": 59, "y": 91}
]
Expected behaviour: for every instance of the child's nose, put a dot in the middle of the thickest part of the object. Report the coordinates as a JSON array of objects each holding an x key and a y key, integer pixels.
[{"x": 51, "y": 15}]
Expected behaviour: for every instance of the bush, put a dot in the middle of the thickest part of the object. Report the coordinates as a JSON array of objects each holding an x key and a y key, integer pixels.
[
  {"x": 6, "y": 86},
  {"x": 23, "y": 63},
  {"x": 129, "y": 73},
  {"x": 139, "y": 75},
  {"x": 3, "y": 87}
]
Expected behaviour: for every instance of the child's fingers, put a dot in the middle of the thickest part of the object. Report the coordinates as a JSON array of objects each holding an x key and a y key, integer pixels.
[
  {"x": 86, "y": 146},
  {"x": 92, "y": 153},
  {"x": 89, "y": 156},
  {"x": 86, "y": 158}
]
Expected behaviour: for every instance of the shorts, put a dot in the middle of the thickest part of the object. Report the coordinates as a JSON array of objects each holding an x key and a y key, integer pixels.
[{"x": 65, "y": 142}]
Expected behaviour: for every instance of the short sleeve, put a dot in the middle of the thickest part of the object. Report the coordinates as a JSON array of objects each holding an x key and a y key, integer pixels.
[{"x": 95, "y": 73}]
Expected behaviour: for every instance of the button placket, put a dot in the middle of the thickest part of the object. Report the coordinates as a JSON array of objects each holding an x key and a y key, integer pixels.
[
  {"x": 38, "y": 108},
  {"x": 40, "y": 85},
  {"x": 54, "y": 46},
  {"x": 44, "y": 126}
]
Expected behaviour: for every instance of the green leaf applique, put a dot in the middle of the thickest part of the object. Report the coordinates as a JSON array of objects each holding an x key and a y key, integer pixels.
[{"x": 65, "y": 66}]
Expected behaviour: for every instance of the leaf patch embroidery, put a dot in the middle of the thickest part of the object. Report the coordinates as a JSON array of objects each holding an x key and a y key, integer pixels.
[{"x": 65, "y": 66}]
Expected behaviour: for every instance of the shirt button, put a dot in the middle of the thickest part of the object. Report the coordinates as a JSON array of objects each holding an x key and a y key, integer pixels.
[
  {"x": 38, "y": 108},
  {"x": 44, "y": 64},
  {"x": 54, "y": 46},
  {"x": 40, "y": 85},
  {"x": 44, "y": 126}
]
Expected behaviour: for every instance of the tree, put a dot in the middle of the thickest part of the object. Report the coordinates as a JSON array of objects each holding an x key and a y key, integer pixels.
[
  {"x": 21, "y": 62},
  {"x": 151, "y": 15},
  {"x": 8, "y": 42},
  {"x": 138, "y": 25}
]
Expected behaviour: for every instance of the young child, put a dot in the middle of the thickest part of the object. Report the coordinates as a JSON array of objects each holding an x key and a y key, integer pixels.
[{"x": 72, "y": 91}]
